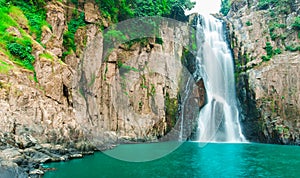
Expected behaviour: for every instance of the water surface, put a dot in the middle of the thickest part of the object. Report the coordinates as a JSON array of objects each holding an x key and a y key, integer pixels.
[{"x": 190, "y": 160}]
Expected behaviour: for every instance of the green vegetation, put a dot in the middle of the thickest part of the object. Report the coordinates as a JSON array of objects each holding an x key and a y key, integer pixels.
[
  {"x": 125, "y": 68},
  {"x": 152, "y": 90},
  {"x": 32, "y": 15},
  {"x": 248, "y": 23},
  {"x": 280, "y": 6},
  {"x": 278, "y": 30},
  {"x": 277, "y": 51},
  {"x": 171, "y": 108},
  {"x": 22, "y": 54},
  {"x": 292, "y": 48},
  {"x": 47, "y": 56},
  {"x": 4, "y": 67},
  {"x": 35, "y": 13},
  {"x": 93, "y": 79},
  {"x": 286, "y": 132},
  {"x": 276, "y": 8},
  {"x": 140, "y": 105},
  {"x": 114, "y": 36},
  {"x": 225, "y": 7},
  {"x": 143, "y": 83},
  {"x": 76, "y": 22},
  {"x": 115, "y": 10},
  {"x": 283, "y": 131},
  {"x": 129, "y": 68},
  {"x": 269, "y": 49},
  {"x": 149, "y": 8},
  {"x": 17, "y": 47},
  {"x": 159, "y": 41},
  {"x": 159, "y": 7},
  {"x": 118, "y": 10},
  {"x": 272, "y": 27},
  {"x": 296, "y": 24},
  {"x": 14, "y": 41},
  {"x": 270, "y": 52},
  {"x": 264, "y": 4}
]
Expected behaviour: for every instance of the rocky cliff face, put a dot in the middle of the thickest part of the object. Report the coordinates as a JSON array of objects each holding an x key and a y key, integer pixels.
[
  {"x": 86, "y": 101},
  {"x": 265, "y": 45}
]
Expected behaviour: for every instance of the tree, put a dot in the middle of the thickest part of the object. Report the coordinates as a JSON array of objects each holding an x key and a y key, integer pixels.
[{"x": 225, "y": 7}]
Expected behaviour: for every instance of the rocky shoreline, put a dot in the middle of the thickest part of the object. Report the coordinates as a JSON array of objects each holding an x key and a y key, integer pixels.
[
  {"x": 27, "y": 161},
  {"x": 23, "y": 157}
]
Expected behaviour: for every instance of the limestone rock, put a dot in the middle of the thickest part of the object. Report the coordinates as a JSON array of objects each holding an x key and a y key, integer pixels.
[
  {"x": 36, "y": 171},
  {"x": 277, "y": 94},
  {"x": 56, "y": 18},
  {"x": 14, "y": 31},
  {"x": 12, "y": 154},
  {"x": 91, "y": 12},
  {"x": 46, "y": 35},
  {"x": 25, "y": 140},
  {"x": 268, "y": 91}
]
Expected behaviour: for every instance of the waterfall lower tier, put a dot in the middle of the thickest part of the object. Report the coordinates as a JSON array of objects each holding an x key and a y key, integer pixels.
[{"x": 219, "y": 119}]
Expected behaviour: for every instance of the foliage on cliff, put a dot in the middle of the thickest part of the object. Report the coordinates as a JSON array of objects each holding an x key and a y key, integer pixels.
[
  {"x": 76, "y": 22},
  {"x": 260, "y": 31},
  {"x": 279, "y": 29},
  {"x": 118, "y": 10},
  {"x": 29, "y": 17},
  {"x": 21, "y": 23},
  {"x": 225, "y": 7}
]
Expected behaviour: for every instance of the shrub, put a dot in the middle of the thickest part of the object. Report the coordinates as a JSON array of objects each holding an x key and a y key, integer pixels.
[
  {"x": 296, "y": 24},
  {"x": 248, "y": 23},
  {"x": 270, "y": 52},
  {"x": 76, "y": 22},
  {"x": 277, "y": 51},
  {"x": 280, "y": 6},
  {"x": 118, "y": 10},
  {"x": 22, "y": 53},
  {"x": 159, "y": 41},
  {"x": 273, "y": 36},
  {"x": 269, "y": 49},
  {"x": 36, "y": 15},
  {"x": 272, "y": 27},
  {"x": 291, "y": 48},
  {"x": 225, "y": 7},
  {"x": 112, "y": 8},
  {"x": 263, "y": 4},
  {"x": 265, "y": 58}
]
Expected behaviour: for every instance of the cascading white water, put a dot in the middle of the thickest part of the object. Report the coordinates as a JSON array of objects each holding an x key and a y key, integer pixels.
[
  {"x": 185, "y": 97},
  {"x": 219, "y": 119}
]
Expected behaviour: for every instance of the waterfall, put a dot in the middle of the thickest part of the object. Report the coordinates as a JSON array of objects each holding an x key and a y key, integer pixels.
[
  {"x": 218, "y": 120},
  {"x": 185, "y": 97}
]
